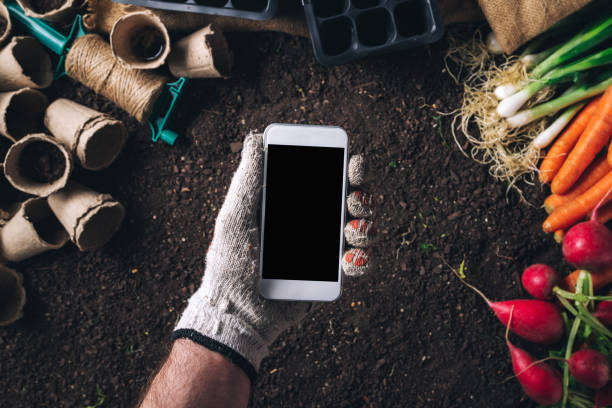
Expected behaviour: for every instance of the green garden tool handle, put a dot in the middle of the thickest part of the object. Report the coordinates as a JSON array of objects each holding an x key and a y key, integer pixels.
[{"x": 163, "y": 110}]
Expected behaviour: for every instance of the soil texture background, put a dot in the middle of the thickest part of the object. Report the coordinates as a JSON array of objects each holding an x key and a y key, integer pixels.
[{"x": 408, "y": 335}]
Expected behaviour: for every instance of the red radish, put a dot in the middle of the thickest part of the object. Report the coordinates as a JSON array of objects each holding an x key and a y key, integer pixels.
[
  {"x": 539, "y": 281},
  {"x": 603, "y": 312},
  {"x": 534, "y": 320},
  {"x": 540, "y": 381},
  {"x": 588, "y": 245},
  {"x": 603, "y": 396},
  {"x": 590, "y": 368}
]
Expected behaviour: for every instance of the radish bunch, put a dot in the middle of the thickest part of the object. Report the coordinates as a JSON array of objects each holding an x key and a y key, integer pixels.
[
  {"x": 540, "y": 321},
  {"x": 584, "y": 325},
  {"x": 587, "y": 366}
]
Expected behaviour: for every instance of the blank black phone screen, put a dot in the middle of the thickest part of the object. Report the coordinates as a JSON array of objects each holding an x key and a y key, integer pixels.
[{"x": 303, "y": 213}]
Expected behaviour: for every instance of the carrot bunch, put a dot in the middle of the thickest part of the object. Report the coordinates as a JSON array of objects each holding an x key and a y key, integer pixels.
[{"x": 578, "y": 166}]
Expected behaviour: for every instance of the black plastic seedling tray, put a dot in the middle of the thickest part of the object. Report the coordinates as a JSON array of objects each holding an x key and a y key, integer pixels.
[
  {"x": 346, "y": 30},
  {"x": 251, "y": 9}
]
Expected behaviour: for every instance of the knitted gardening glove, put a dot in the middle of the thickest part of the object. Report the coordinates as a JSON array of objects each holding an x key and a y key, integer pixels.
[{"x": 226, "y": 314}]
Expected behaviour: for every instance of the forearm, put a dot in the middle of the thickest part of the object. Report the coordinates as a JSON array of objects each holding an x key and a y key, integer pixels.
[{"x": 194, "y": 376}]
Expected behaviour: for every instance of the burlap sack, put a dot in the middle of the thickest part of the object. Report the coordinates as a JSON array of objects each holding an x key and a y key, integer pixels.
[{"x": 516, "y": 22}]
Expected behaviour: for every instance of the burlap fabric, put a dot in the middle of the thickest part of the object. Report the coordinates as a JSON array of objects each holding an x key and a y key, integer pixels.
[{"x": 517, "y": 21}]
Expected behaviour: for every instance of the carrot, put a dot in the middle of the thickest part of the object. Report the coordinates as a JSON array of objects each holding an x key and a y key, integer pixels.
[
  {"x": 592, "y": 175},
  {"x": 573, "y": 211},
  {"x": 604, "y": 214},
  {"x": 564, "y": 144},
  {"x": 600, "y": 280},
  {"x": 596, "y": 135}
]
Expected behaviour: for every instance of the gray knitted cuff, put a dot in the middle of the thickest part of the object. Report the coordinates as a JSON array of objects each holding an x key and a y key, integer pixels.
[
  {"x": 222, "y": 349},
  {"x": 220, "y": 323}
]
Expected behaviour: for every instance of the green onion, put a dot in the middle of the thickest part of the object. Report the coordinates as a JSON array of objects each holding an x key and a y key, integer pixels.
[
  {"x": 583, "y": 41},
  {"x": 581, "y": 93},
  {"x": 552, "y": 131},
  {"x": 512, "y": 104},
  {"x": 529, "y": 60},
  {"x": 592, "y": 61},
  {"x": 532, "y": 60}
]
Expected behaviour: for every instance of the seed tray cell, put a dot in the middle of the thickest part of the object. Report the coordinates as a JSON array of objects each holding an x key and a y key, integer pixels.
[
  {"x": 251, "y": 9},
  {"x": 347, "y": 30}
]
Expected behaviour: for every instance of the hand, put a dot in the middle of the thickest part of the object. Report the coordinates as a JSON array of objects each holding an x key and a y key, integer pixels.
[{"x": 226, "y": 314}]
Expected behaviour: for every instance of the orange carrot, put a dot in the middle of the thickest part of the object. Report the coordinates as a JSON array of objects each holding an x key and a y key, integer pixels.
[
  {"x": 559, "y": 235},
  {"x": 600, "y": 280},
  {"x": 568, "y": 214},
  {"x": 594, "y": 138},
  {"x": 598, "y": 169},
  {"x": 564, "y": 144}
]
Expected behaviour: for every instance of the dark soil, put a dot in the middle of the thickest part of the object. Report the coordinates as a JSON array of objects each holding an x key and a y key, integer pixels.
[
  {"x": 3, "y": 24},
  {"x": 43, "y": 6},
  {"x": 42, "y": 162},
  {"x": 407, "y": 335}
]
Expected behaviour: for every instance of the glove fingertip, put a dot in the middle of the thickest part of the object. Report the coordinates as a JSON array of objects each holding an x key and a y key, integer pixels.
[
  {"x": 360, "y": 233},
  {"x": 357, "y": 170},
  {"x": 356, "y": 262},
  {"x": 360, "y": 204}
]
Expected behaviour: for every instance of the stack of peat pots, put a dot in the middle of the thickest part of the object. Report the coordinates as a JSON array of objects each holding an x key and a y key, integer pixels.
[{"x": 41, "y": 208}]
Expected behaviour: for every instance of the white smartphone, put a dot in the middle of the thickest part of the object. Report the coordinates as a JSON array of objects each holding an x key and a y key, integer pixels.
[{"x": 302, "y": 220}]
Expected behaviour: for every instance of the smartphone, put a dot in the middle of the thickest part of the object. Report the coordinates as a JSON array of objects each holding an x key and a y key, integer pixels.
[{"x": 303, "y": 206}]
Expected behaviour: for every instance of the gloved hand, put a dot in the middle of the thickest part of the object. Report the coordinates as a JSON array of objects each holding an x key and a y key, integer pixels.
[{"x": 226, "y": 314}]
